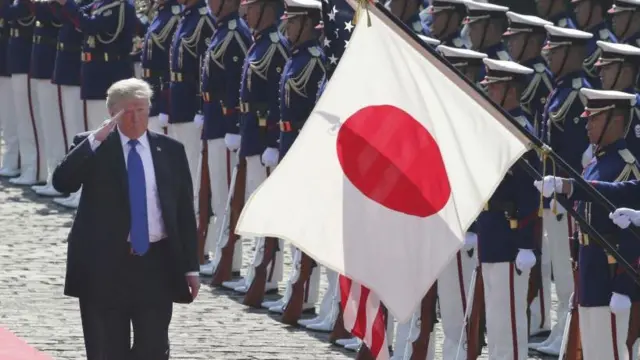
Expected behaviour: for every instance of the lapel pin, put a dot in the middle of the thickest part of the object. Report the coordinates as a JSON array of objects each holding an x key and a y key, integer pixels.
[{"x": 158, "y": 148}]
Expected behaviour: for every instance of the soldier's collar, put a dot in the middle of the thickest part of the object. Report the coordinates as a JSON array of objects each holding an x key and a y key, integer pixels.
[
  {"x": 566, "y": 79},
  {"x": 305, "y": 45},
  {"x": 268, "y": 30},
  {"x": 222, "y": 22},
  {"x": 613, "y": 147},
  {"x": 197, "y": 5}
]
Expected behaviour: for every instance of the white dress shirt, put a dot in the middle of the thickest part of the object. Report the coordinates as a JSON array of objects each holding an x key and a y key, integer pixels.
[{"x": 157, "y": 230}]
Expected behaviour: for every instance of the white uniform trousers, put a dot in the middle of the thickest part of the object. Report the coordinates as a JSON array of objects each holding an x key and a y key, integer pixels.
[
  {"x": 154, "y": 125},
  {"x": 51, "y": 110},
  {"x": 9, "y": 125},
  {"x": 189, "y": 135},
  {"x": 137, "y": 69},
  {"x": 97, "y": 113},
  {"x": 412, "y": 330},
  {"x": 311, "y": 290},
  {"x": 603, "y": 335},
  {"x": 505, "y": 295},
  {"x": 556, "y": 236},
  {"x": 453, "y": 287},
  {"x": 75, "y": 122},
  {"x": 329, "y": 306},
  {"x": 256, "y": 174},
  {"x": 30, "y": 134},
  {"x": 221, "y": 164}
]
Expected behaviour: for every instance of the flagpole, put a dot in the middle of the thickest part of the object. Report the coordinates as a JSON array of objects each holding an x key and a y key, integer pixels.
[{"x": 547, "y": 151}]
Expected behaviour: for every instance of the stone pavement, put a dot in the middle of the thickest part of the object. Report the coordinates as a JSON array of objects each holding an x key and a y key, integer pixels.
[{"x": 216, "y": 327}]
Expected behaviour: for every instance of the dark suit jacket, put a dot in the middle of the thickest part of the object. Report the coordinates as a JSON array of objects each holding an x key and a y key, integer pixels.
[{"x": 97, "y": 243}]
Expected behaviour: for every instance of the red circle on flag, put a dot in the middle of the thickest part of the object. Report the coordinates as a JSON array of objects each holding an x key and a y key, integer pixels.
[{"x": 393, "y": 160}]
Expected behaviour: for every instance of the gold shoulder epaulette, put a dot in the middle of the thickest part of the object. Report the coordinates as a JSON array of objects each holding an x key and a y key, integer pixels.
[
  {"x": 314, "y": 51},
  {"x": 627, "y": 156}
]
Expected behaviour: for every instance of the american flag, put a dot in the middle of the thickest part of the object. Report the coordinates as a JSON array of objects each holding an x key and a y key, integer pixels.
[
  {"x": 363, "y": 313},
  {"x": 337, "y": 17}
]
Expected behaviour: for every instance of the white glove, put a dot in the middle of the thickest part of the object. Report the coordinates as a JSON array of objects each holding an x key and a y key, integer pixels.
[
  {"x": 623, "y": 217},
  {"x": 232, "y": 141},
  {"x": 199, "y": 120},
  {"x": 587, "y": 155},
  {"x": 525, "y": 260},
  {"x": 559, "y": 208},
  {"x": 270, "y": 157},
  {"x": 619, "y": 303},
  {"x": 163, "y": 120},
  {"x": 470, "y": 241},
  {"x": 548, "y": 185}
]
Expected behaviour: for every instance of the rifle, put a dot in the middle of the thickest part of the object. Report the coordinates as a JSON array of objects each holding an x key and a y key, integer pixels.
[
  {"x": 299, "y": 289},
  {"x": 339, "y": 332},
  {"x": 427, "y": 323},
  {"x": 255, "y": 292},
  {"x": 204, "y": 194},
  {"x": 475, "y": 329},
  {"x": 535, "y": 277},
  {"x": 235, "y": 202}
]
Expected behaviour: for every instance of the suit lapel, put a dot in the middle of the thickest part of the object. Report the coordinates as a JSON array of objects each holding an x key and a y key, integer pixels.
[{"x": 162, "y": 170}]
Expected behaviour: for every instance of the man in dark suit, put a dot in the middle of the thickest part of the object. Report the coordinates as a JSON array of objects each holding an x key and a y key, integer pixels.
[{"x": 132, "y": 248}]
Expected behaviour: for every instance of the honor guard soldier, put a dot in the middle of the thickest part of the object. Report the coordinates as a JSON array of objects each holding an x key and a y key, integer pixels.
[
  {"x": 605, "y": 290},
  {"x": 625, "y": 21},
  {"x": 259, "y": 106},
  {"x": 564, "y": 129},
  {"x": 47, "y": 109},
  {"x": 524, "y": 38},
  {"x": 409, "y": 12},
  {"x": 155, "y": 60},
  {"x": 559, "y": 12},
  {"x": 22, "y": 23},
  {"x": 8, "y": 120},
  {"x": 221, "y": 77},
  {"x": 619, "y": 66},
  {"x": 188, "y": 46},
  {"x": 505, "y": 228},
  {"x": 66, "y": 75},
  {"x": 590, "y": 17},
  {"x": 141, "y": 27},
  {"x": 486, "y": 23},
  {"x": 447, "y": 30},
  {"x": 299, "y": 84},
  {"x": 108, "y": 28}
]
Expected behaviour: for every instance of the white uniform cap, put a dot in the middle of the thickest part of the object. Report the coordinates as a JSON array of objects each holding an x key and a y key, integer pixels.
[
  {"x": 617, "y": 53},
  {"x": 559, "y": 36},
  {"x": 479, "y": 11},
  {"x": 429, "y": 41},
  {"x": 604, "y": 100},
  {"x": 624, "y": 5},
  {"x": 519, "y": 23},
  {"x": 300, "y": 7},
  {"x": 503, "y": 70},
  {"x": 448, "y": 51}
]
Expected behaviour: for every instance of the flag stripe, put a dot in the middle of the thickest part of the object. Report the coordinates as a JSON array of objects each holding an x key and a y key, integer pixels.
[{"x": 363, "y": 316}]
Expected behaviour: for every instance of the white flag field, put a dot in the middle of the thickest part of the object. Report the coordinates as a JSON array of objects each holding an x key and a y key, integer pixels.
[{"x": 393, "y": 165}]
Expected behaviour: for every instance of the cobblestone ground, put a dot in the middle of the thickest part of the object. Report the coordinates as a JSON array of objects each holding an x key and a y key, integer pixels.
[{"x": 216, "y": 327}]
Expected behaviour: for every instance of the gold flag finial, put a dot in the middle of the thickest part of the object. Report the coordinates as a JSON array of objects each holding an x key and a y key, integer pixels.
[{"x": 362, "y": 5}]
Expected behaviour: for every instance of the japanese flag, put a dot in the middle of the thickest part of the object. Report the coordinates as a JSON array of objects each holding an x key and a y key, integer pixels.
[{"x": 395, "y": 162}]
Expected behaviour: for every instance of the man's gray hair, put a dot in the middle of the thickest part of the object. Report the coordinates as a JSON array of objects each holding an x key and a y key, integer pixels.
[{"x": 128, "y": 89}]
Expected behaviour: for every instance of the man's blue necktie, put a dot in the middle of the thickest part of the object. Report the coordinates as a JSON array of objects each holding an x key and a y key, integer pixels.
[{"x": 139, "y": 234}]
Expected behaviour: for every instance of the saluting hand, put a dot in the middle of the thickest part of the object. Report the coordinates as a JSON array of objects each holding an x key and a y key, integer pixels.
[{"x": 107, "y": 126}]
